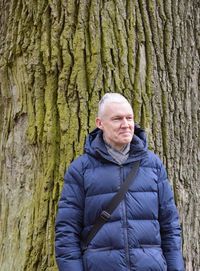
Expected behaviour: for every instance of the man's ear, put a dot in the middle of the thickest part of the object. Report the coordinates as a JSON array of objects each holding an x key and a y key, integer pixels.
[{"x": 99, "y": 123}]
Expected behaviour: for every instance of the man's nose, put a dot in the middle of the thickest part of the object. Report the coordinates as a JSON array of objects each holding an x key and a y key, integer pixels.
[{"x": 124, "y": 122}]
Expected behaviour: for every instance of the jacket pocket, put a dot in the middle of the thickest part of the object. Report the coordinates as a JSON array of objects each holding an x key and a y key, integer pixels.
[
  {"x": 149, "y": 246},
  {"x": 100, "y": 259},
  {"x": 156, "y": 256}
]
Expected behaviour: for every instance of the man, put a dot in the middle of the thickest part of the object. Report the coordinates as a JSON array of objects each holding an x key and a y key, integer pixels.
[{"x": 143, "y": 233}]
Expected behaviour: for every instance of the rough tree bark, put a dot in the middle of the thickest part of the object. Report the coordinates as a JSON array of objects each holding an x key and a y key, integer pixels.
[{"x": 57, "y": 59}]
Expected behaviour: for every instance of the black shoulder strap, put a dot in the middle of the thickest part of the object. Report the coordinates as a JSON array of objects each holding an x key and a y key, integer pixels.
[{"x": 106, "y": 214}]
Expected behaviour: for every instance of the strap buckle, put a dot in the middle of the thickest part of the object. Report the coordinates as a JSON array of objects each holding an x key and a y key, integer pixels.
[{"x": 105, "y": 215}]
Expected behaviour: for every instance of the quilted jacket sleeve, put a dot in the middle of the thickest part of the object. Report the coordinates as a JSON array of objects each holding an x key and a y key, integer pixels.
[
  {"x": 69, "y": 221},
  {"x": 169, "y": 225}
]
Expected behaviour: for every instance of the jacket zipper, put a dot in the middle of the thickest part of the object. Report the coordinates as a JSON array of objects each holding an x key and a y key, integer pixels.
[{"x": 125, "y": 227}]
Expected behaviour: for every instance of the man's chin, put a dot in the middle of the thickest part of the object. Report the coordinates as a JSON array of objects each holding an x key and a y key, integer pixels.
[{"x": 126, "y": 140}]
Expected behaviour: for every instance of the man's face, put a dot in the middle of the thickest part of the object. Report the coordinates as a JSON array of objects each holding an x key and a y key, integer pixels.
[{"x": 117, "y": 124}]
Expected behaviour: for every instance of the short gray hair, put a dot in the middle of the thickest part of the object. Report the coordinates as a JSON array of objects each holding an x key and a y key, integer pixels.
[{"x": 110, "y": 98}]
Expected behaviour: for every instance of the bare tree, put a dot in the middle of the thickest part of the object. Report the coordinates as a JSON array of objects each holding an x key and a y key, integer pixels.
[{"x": 57, "y": 58}]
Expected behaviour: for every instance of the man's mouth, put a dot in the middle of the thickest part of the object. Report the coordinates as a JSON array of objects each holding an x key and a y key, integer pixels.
[{"x": 126, "y": 133}]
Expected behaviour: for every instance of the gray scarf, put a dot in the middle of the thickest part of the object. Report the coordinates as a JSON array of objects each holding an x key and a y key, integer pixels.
[{"x": 119, "y": 156}]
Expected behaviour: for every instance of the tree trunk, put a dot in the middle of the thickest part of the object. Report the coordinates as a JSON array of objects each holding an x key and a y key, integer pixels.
[{"x": 57, "y": 59}]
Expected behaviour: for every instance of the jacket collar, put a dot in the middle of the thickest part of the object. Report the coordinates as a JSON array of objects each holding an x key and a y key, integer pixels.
[{"x": 95, "y": 146}]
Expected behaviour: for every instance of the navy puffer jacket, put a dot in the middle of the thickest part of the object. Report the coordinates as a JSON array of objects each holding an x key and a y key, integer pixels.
[{"x": 143, "y": 233}]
